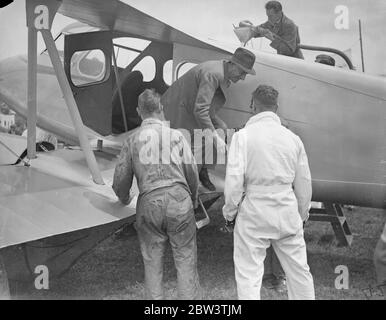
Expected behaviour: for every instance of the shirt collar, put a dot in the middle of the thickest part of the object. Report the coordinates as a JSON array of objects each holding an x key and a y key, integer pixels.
[
  {"x": 149, "y": 121},
  {"x": 264, "y": 115}
]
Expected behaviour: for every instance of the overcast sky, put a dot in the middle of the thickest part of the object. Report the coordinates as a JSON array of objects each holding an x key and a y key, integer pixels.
[{"x": 214, "y": 18}]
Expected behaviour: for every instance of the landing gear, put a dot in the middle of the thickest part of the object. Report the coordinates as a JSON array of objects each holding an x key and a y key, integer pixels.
[{"x": 332, "y": 212}]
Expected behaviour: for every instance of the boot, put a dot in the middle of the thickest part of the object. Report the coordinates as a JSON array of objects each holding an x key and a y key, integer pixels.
[
  {"x": 280, "y": 284},
  {"x": 268, "y": 281},
  {"x": 204, "y": 178}
]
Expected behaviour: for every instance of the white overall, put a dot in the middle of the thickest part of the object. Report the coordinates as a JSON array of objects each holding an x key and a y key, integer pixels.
[{"x": 268, "y": 187}]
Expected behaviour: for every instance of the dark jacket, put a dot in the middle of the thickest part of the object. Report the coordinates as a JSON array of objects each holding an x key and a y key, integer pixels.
[
  {"x": 287, "y": 37},
  {"x": 192, "y": 100}
]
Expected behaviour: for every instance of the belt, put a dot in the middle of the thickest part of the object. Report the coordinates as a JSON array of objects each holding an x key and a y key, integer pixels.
[{"x": 268, "y": 189}]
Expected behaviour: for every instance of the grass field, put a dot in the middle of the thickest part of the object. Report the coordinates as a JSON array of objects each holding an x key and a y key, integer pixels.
[{"x": 114, "y": 269}]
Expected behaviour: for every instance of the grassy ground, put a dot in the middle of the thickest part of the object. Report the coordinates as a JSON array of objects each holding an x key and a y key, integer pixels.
[{"x": 114, "y": 269}]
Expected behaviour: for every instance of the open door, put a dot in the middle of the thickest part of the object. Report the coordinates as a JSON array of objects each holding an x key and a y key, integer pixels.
[{"x": 87, "y": 63}]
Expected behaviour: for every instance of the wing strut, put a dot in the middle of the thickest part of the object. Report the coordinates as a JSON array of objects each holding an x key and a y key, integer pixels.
[
  {"x": 40, "y": 14},
  {"x": 31, "y": 95},
  {"x": 118, "y": 82}
]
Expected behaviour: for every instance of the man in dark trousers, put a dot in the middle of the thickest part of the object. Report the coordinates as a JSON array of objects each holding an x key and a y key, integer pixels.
[
  {"x": 282, "y": 31},
  {"x": 166, "y": 174},
  {"x": 380, "y": 262},
  {"x": 193, "y": 100},
  {"x": 4, "y": 288}
]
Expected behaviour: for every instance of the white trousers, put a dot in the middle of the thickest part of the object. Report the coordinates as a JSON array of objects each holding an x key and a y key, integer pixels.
[{"x": 249, "y": 255}]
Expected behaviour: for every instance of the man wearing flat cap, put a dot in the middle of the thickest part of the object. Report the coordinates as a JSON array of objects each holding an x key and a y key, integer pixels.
[
  {"x": 325, "y": 59},
  {"x": 193, "y": 100}
]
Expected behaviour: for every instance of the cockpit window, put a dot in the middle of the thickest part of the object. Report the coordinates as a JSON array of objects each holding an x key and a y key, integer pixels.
[
  {"x": 126, "y": 49},
  {"x": 147, "y": 67},
  {"x": 131, "y": 43},
  {"x": 124, "y": 56},
  {"x": 183, "y": 68},
  {"x": 87, "y": 67},
  {"x": 168, "y": 72}
]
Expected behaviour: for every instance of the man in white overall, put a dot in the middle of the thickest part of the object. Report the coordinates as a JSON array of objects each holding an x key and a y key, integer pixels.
[{"x": 268, "y": 187}]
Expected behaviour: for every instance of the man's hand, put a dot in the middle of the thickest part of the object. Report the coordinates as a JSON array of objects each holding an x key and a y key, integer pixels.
[
  {"x": 127, "y": 200},
  {"x": 265, "y": 33},
  {"x": 228, "y": 227},
  {"x": 222, "y": 125},
  {"x": 195, "y": 203}
]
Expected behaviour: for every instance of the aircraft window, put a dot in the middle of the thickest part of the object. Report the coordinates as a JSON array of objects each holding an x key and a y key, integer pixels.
[
  {"x": 184, "y": 67},
  {"x": 147, "y": 67},
  {"x": 88, "y": 67},
  {"x": 168, "y": 72},
  {"x": 126, "y": 49},
  {"x": 131, "y": 43},
  {"x": 124, "y": 56}
]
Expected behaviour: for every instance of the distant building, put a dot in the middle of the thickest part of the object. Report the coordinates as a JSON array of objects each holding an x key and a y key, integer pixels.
[{"x": 7, "y": 120}]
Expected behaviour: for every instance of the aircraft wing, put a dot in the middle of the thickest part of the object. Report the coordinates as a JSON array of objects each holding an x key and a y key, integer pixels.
[
  {"x": 11, "y": 147},
  {"x": 56, "y": 196},
  {"x": 120, "y": 17}
]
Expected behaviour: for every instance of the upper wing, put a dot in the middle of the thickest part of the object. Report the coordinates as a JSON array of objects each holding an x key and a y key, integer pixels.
[{"x": 120, "y": 17}]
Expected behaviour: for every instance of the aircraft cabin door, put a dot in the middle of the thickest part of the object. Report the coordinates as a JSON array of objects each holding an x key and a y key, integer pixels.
[{"x": 87, "y": 63}]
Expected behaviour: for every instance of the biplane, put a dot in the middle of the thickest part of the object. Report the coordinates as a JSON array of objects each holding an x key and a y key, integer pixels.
[{"x": 57, "y": 205}]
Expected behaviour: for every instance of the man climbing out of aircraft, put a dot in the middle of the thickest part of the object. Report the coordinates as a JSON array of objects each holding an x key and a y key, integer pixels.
[
  {"x": 268, "y": 163},
  {"x": 380, "y": 261},
  {"x": 193, "y": 100},
  {"x": 282, "y": 31},
  {"x": 166, "y": 173}
]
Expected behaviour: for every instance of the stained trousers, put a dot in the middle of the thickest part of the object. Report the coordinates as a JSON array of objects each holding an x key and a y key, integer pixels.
[{"x": 167, "y": 215}]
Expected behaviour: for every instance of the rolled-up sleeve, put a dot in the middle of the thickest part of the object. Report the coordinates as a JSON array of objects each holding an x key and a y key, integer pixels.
[
  {"x": 234, "y": 179},
  {"x": 303, "y": 184},
  {"x": 123, "y": 175},
  {"x": 206, "y": 90}
]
